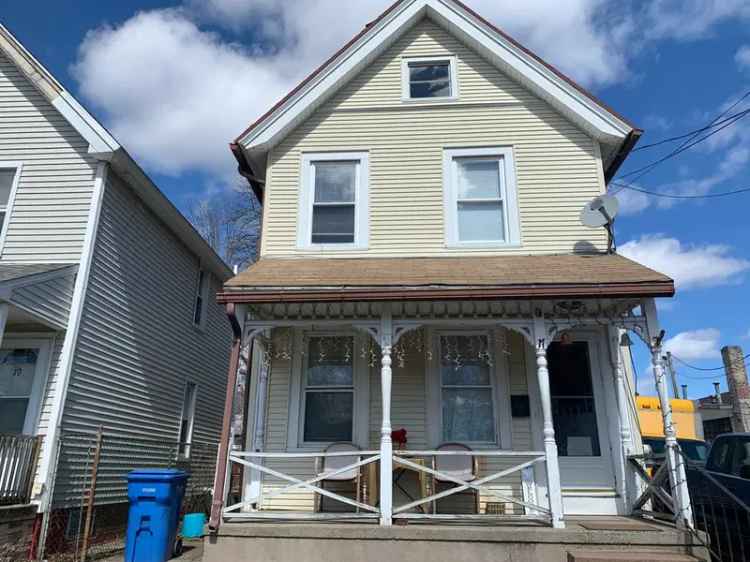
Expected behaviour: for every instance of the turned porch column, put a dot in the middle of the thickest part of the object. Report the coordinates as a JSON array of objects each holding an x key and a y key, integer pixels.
[
  {"x": 675, "y": 461},
  {"x": 386, "y": 445},
  {"x": 617, "y": 339},
  {"x": 554, "y": 490}
]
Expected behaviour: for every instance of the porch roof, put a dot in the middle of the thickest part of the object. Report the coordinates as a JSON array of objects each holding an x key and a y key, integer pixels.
[{"x": 511, "y": 277}]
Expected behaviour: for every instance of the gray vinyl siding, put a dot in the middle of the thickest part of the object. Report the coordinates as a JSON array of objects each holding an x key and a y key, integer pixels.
[
  {"x": 49, "y": 299},
  {"x": 137, "y": 345},
  {"x": 48, "y": 219}
]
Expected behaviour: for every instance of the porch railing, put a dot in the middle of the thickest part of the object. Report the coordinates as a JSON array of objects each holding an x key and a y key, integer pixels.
[
  {"x": 18, "y": 458},
  {"x": 422, "y": 508}
]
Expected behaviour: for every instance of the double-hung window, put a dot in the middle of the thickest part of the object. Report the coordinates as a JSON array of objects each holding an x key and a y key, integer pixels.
[
  {"x": 429, "y": 79},
  {"x": 466, "y": 390},
  {"x": 329, "y": 390},
  {"x": 480, "y": 197},
  {"x": 187, "y": 419},
  {"x": 8, "y": 180},
  {"x": 199, "y": 305},
  {"x": 333, "y": 203}
]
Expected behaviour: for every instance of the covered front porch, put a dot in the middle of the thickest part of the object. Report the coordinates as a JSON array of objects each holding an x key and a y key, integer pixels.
[{"x": 467, "y": 391}]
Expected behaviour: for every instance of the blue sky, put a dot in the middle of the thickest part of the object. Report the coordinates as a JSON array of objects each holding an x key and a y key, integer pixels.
[{"x": 176, "y": 81}]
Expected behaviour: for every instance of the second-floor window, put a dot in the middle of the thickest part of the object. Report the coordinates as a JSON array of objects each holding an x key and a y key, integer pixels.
[
  {"x": 430, "y": 78},
  {"x": 333, "y": 202},
  {"x": 480, "y": 197},
  {"x": 8, "y": 178},
  {"x": 199, "y": 307}
]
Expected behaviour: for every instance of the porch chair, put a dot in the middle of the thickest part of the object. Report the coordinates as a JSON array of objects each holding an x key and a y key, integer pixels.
[
  {"x": 325, "y": 465},
  {"x": 463, "y": 467}
]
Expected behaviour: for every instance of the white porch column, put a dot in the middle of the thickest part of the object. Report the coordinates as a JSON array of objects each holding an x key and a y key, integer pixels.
[
  {"x": 3, "y": 320},
  {"x": 258, "y": 439},
  {"x": 675, "y": 461},
  {"x": 616, "y": 337},
  {"x": 554, "y": 490},
  {"x": 386, "y": 445}
]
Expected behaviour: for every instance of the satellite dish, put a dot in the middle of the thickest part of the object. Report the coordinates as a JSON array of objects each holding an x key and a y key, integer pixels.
[{"x": 602, "y": 212}]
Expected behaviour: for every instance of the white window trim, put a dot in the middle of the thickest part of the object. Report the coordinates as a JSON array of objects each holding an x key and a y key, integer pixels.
[
  {"x": 499, "y": 377},
  {"x": 361, "y": 421},
  {"x": 5, "y": 164},
  {"x": 406, "y": 79},
  {"x": 509, "y": 196},
  {"x": 361, "y": 201},
  {"x": 41, "y": 373},
  {"x": 191, "y": 409}
]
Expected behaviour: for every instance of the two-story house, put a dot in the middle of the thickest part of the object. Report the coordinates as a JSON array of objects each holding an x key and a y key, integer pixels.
[
  {"x": 437, "y": 336},
  {"x": 107, "y": 310}
]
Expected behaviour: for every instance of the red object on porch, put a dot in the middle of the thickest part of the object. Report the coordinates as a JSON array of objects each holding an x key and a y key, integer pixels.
[{"x": 398, "y": 436}]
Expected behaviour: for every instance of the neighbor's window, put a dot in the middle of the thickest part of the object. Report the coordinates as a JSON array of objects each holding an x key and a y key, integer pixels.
[
  {"x": 466, "y": 389},
  {"x": 328, "y": 389},
  {"x": 431, "y": 78},
  {"x": 573, "y": 407},
  {"x": 17, "y": 368},
  {"x": 187, "y": 419},
  {"x": 7, "y": 180},
  {"x": 200, "y": 298},
  {"x": 334, "y": 200},
  {"x": 480, "y": 197}
]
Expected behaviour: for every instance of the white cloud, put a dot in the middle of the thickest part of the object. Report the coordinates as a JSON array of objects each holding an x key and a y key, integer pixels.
[
  {"x": 632, "y": 202},
  {"x": 742, "y": 57},
  {"x": 175, "y": 95},
  {"x": 695, "y": 345},
  {"x": 697, "y": 266}
]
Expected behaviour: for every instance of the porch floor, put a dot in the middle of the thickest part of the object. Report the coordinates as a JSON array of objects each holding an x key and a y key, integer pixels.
[{"x": 611, "y": 537}]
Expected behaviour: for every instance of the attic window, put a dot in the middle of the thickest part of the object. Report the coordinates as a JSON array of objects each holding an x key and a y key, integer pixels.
[{"x": 429, "y": 79}]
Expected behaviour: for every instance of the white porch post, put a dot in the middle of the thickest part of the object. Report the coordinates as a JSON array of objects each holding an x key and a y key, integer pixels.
[
  {"x": 554, "y": 490},
  {"x": 626, "y": 442},
  {"x": 258, "y": 439},
  {"x": 3, "y": 320},
  {"x": 386, "y": 445},
  {"x": 675, "y": 461}
]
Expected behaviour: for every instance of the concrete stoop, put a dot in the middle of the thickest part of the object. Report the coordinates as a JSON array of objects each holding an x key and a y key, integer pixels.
[{"x": 327, "y": 542}]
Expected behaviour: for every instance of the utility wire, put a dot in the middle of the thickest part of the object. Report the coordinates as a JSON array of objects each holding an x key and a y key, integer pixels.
[
  {"x": 686, "y": 364},
  {"x": 688, "y": 134},
  {"x": 622, "y": 186}
]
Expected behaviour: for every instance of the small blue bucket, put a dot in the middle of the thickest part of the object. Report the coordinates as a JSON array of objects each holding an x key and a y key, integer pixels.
[{"x": 192, "y": 525}]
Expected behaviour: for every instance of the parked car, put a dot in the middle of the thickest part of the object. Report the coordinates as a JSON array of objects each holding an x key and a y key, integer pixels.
[
  {"x": 720, "y": 494},
  {"x": 696, "y": 451}
]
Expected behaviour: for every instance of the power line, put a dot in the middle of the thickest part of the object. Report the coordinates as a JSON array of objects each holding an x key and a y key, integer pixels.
[
  {"x": 690, "y": 133},
  {"x": 696, "y": 368},
  {"x": 677, "y": 196}
]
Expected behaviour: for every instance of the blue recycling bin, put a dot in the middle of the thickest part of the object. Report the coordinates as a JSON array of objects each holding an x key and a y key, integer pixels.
[{"x": 155, "y": 500}]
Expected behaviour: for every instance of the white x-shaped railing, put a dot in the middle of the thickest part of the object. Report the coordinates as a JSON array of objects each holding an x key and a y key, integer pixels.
[
  {"x": 479, "y": 484},
  {"x": 364, "y": 458}
]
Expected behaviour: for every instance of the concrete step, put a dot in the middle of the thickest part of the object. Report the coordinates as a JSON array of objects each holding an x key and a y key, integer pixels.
[{"x": 627, "y": 556}]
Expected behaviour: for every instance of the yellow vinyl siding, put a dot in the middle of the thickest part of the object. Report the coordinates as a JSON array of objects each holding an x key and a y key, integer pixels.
[{"x": 558, "y": 166}]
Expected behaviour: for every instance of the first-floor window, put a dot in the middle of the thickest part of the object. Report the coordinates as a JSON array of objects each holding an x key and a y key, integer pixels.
[
  {"x": 17, "y": 368},
  {"x": 466, "y": 389},
  {"x": 573, "y": 407},
  {"x": 328, "y": 389}
]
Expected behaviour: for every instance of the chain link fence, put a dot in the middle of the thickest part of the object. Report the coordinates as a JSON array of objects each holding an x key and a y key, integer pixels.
[{"x": 88, "y": 515}]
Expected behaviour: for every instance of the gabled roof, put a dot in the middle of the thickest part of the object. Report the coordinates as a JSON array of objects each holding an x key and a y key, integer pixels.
[
  {"x": 615, "y": 133},
  {"x": 103, "y": 146}
]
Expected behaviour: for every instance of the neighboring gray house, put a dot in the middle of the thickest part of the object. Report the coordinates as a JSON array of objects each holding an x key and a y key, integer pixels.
[{"x": 107, "y": 308}]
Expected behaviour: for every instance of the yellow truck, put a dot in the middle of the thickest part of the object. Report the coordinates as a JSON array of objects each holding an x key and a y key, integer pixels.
[{"x": 687, "y": 422}]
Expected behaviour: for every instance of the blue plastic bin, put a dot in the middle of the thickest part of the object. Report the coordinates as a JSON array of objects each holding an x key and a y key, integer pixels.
[{"x": 155, "y": 499}]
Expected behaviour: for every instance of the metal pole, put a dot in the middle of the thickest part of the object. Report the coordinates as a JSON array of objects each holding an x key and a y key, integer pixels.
[
  {"x": 672, "y": 374},
  {"x": 91, "y": 494}
]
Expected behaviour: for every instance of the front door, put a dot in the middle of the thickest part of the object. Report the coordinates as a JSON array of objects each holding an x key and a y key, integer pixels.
[
  {"x": 23, "y": 366},
  {"x": 579, "y": 409}
]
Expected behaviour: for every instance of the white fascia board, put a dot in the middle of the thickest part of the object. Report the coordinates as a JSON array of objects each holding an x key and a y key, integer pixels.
[
  {"x": 100, "y": 141},
  {"x": 532, "y": 73},
  {"x": 508, "y": 57},
  {"x": 350, "y": 62}
]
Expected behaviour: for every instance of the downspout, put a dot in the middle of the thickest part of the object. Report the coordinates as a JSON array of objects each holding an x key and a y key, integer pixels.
[{"x": 221, "y": 463}]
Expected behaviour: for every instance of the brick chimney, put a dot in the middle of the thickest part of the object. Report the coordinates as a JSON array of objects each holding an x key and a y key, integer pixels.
[{"x": 739, "y": 390}]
